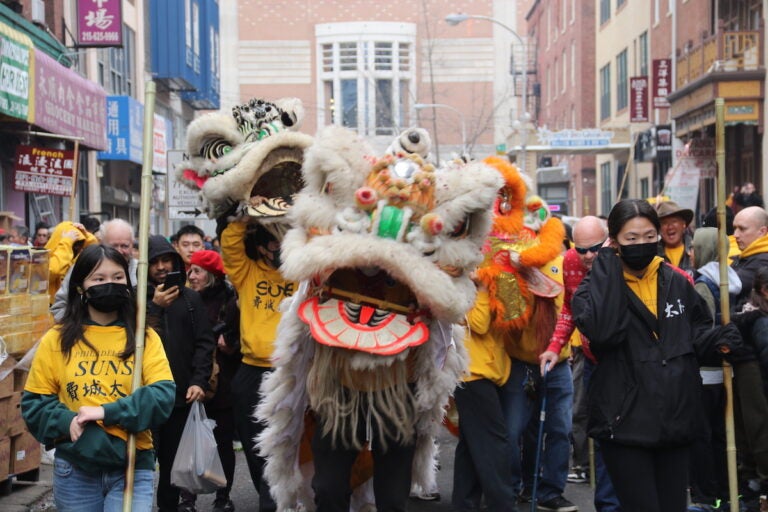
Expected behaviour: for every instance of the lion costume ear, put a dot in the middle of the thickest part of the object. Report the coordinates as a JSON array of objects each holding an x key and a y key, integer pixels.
[{"x": 292, "y": 112}]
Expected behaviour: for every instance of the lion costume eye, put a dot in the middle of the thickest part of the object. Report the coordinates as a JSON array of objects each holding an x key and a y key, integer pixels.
[
  {"x": 462, "y": 229},
  {"x": 215, "y": 149}
]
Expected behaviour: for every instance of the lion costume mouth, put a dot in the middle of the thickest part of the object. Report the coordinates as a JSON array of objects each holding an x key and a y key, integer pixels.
[
  {"x": 280, "y": 180},
  {"x": 365, "y": 310}
]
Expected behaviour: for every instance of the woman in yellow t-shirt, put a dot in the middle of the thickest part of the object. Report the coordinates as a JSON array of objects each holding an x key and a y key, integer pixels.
[{"x": 78, "y": 395}]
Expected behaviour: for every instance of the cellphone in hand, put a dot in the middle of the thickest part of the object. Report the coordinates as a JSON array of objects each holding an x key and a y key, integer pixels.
[{"x": 175, "y": 279}]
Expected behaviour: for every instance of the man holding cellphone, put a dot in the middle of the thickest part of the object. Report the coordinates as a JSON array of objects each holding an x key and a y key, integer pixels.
[{"x": 179, "y": 316}]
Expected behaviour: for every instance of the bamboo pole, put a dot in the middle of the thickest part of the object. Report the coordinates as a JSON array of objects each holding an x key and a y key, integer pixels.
[
  {"x": 73, "y": 196},
  {"x": 141, "y": 285},
  {"x": 730, "y": 438}
]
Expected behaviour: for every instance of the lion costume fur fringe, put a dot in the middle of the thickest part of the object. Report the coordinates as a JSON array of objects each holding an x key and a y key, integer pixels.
[{"x": 331, "y": 231}]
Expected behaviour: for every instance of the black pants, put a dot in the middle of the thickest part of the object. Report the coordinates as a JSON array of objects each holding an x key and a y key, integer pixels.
[
  {"x": 648, "y": 479},
  {"x": 579, "y": 429},
  {"x": 333, "y": 468},
  {"x": 225, "y": 436},
  {"x": 709, "y": 468},
  {"x": 167, "y": 439},
  {"x": 245, "y": 397},
  {"x": 481, "y": 466}
]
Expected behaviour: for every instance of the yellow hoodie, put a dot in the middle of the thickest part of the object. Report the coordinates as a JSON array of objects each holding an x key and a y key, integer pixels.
[
  {"x": 61, "y": 247},
  {"x": 757, "y": 247},
  {"x": 487, "y": 357},
  {"x": 645, "y": 287}
]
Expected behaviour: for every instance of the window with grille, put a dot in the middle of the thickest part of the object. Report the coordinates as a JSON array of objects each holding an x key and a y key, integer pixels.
[
  {"x": 606, "y": 191},
  {"x": 605, "y": 92},
  {"x": 622, "y": 87},
  {"x": 605, "y": 11},
  {"x": 643, "y": 44},
  {"x": 116, "y": 66},
  {"x": 366, "y": 82}
]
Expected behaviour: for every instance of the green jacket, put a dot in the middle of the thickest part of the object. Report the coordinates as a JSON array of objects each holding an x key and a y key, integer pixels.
[{"x": 96, "y": 450}]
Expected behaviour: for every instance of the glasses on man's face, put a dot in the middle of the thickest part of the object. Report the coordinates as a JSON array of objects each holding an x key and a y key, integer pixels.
[{"x": 585, "y": 250}]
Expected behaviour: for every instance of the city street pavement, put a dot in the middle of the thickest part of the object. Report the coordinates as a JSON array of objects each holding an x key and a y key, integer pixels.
[{"x": 37, "y": 496}]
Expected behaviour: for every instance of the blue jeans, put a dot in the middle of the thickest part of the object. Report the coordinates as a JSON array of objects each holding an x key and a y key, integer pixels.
[
  {"x": 557, "y": 427},
  {"x": 77, "y": 491}
]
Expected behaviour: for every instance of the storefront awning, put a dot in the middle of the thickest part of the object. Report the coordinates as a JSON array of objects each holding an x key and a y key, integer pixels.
[{"x": 65, "y": 103}]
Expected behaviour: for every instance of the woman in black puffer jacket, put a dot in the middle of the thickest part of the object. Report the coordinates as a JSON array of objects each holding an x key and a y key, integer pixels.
[{"x": 647, "y": 328}]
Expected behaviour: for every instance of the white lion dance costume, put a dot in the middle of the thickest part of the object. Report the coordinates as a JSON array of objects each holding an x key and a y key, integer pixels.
[{"x": 371, "y": 343}]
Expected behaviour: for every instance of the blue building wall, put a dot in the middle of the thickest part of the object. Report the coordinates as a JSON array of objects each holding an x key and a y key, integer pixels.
[{"x": 207, "y": 96}]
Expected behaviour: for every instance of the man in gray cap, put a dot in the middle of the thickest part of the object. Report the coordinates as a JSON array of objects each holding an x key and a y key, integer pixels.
[{"x": 675, "y": 243}]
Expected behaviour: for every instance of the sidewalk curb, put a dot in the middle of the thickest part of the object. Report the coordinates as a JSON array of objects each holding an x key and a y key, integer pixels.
[{"x": 25, "y": 495}]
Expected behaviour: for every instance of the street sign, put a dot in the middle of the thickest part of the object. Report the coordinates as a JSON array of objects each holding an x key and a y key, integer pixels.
[{"x": 183, "y": 202}]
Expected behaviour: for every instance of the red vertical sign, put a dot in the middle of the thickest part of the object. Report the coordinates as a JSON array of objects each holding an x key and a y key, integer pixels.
[
  {"x": 638, "y": 99},
  {"x": 662, "y": 82}
]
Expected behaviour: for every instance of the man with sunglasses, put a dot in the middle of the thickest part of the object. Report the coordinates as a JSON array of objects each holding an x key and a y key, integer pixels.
[{"x": 589, "y": 236}]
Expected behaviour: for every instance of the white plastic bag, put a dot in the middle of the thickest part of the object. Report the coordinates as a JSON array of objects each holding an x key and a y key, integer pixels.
[{"x": 197, "y": 466}]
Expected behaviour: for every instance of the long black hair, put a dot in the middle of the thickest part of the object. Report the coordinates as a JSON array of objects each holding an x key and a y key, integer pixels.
[
  {"x": 628, "y": 209},
  {"x": 759, "y": 287},
  {"x": 76, "y": 312}
]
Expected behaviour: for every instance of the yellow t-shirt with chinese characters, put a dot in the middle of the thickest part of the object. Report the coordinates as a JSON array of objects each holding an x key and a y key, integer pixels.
[
  {"x": 260, "y": 289},
  {"x": 85, "y": 379}
]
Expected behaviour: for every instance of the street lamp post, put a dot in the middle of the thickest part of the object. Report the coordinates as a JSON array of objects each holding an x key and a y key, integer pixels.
[
  {"x": 455, "y": 19},
  {"x": 420, "y": 106}
]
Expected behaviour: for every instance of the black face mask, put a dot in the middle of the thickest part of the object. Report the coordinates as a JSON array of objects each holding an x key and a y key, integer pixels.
[
  {"x": 108, "y": 297},
  {"x": 638, "y": 256}
]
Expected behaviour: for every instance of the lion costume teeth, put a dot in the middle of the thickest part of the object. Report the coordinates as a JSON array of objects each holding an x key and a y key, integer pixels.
[{"x": 383, "y": 248}]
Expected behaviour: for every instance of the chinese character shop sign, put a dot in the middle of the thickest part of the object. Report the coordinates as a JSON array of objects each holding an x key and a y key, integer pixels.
[
  {"x": 125, "y": 118},
  {"x": 638, "y": 105},
  {"x": 43, "y": 171},
  {"x": 662, "y": 82},
  {"x": 99, "y": 23},
  {"x": 68, "y": 104}
]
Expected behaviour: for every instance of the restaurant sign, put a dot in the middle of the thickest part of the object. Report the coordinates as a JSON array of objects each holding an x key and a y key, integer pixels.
[{"x": 43, "y": 170}]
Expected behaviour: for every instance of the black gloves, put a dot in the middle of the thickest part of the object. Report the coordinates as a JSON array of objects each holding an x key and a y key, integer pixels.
[{"x": 732, "y": 346}]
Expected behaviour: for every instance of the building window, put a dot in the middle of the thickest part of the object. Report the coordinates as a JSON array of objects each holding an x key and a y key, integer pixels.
[
  {"x": 366, "y": 82},
  {"x": 556, "y": 70},
  {"x": 605, "y": 11},
  {"x": 573, "y": 63},
  {"x": 605, "y": 92},
  {"x": 643, "y": 58},
  {"x": 622, "y": 88},
  {"x": 606, "y": 192},
  {"x": 549, "y": 85},
  {"x": 565, "y": 70},
  {"x": 215, "y": 65},
  {"x": 116, "y": 67},
  {"x": 644, "y": 190}
]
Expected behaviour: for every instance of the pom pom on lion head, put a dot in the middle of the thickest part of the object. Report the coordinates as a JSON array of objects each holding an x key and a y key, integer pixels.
[
  {"x": 386, "y": 243},
  {"x": 250, "y": 159},
  {"x": 413, "y": 141}
]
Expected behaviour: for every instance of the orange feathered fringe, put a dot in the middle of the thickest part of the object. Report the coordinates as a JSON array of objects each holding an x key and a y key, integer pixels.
[
  {"x": 550, "y": 244},
  {"x": 515, "y": 188},
  {"x": 509, "y": 226}
]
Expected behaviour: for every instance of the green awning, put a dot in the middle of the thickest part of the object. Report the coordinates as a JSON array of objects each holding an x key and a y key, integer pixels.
[{"x": 43, "y": 40}]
